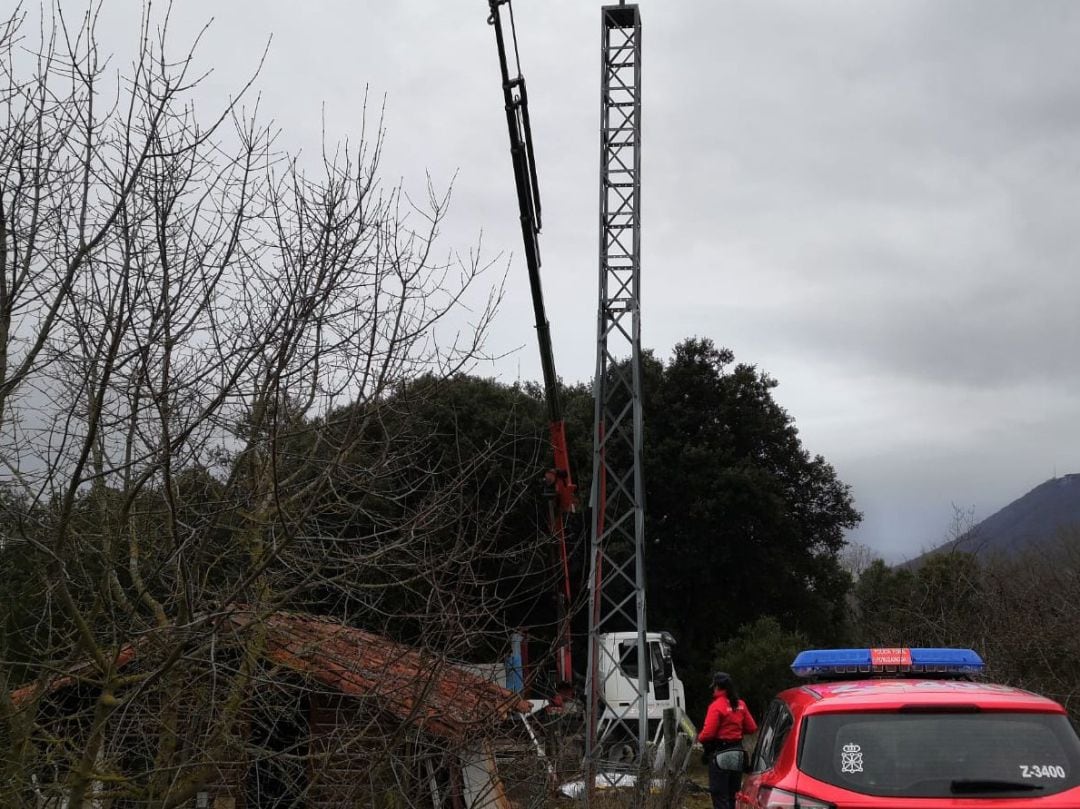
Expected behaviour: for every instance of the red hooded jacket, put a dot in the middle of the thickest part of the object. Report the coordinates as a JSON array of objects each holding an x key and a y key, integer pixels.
[{"x": 722, "y": 724}]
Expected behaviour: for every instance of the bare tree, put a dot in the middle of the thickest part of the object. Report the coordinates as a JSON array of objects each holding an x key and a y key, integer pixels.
[
  {"x": 1034, "y": 612},
  {"x": 856, "y": 557},
  {"x": 208, "y": 355}
]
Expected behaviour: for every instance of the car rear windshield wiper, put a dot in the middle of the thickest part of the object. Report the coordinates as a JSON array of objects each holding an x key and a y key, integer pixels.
[{"x": 987, "y": 785}]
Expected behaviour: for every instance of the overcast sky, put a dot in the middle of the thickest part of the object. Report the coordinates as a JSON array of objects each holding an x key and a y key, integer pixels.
[{"x": 875, "y": 202}]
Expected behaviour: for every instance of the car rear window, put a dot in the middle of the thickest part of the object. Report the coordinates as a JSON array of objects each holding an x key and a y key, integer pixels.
[{"x": 942, "y": 754}]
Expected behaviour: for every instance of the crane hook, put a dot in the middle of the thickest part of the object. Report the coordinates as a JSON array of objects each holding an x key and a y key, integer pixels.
[{"x": 493, "y": 4}]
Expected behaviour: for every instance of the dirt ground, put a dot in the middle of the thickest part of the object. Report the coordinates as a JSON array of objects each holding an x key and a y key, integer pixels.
[{"x": 699, "y": 777}]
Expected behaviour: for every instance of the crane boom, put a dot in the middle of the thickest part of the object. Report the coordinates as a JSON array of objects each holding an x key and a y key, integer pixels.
[{"x": 558, "y": 482}]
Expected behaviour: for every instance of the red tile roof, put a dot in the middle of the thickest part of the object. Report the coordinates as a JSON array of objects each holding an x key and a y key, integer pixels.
[
  {"x": 84, "y": 671},
  {"x": 420, "y": 687}
]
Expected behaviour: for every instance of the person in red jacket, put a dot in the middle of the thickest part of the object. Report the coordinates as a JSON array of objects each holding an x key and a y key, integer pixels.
[{"x": 726, "y": 722}]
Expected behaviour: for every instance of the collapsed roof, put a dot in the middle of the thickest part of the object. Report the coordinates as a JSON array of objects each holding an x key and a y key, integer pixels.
[{"x": 419, "y": 687}]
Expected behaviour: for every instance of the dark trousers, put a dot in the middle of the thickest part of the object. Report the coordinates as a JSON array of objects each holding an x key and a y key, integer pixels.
[{"x": 723, "y": 784}]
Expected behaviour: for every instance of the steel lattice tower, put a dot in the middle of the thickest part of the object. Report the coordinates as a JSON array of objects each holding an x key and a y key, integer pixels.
[{"x": 617, "y": 576}]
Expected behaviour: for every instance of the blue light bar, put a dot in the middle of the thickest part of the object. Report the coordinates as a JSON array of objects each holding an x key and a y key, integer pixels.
[
  {"x": 961, "y": 660},
  {"x": 848, "y": 662}
]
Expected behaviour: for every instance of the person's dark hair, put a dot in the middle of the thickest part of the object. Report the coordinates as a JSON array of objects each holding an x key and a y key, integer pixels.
[{"x": 722, "y": 681}]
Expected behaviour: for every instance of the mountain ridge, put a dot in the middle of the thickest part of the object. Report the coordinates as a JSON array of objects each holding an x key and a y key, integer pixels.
[{"x": 1028, "y": 521}]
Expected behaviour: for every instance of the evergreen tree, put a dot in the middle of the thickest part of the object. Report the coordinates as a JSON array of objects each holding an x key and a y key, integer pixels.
[{"x": 742, "y": 521}]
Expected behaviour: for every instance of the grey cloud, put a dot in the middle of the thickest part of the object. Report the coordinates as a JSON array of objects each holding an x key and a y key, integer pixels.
[{"x": 875, "y": 201}]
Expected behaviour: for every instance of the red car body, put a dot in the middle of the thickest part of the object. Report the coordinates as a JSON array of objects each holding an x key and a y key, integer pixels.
[{"x": 873, "y": 743}]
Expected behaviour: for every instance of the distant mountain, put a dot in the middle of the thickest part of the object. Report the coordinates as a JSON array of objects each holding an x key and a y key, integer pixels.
[{"x": 1036, "y": 517}]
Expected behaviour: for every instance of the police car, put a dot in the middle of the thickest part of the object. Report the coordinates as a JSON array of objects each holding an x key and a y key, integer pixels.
[{"x": 904, "y": 728}]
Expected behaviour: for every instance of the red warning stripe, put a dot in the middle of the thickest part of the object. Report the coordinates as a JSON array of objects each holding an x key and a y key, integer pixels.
[{"x": 890, "y": 657}]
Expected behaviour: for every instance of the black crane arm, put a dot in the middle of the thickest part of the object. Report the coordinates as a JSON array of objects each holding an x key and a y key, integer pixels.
[
  {"x": 516, "y": 101},
  {"x": 560, "y": 484}
]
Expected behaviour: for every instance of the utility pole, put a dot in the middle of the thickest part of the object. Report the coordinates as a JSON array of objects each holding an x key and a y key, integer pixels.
[{"x": 617, "y": 573}]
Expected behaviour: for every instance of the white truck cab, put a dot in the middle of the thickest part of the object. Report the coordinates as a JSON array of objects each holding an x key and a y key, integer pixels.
[{"x": 619, "y": 675}]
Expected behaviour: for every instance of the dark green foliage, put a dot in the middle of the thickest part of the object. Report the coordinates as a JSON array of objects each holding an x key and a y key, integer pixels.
[
  {"x": 742, "y": 521},
  {"x": 1029, "y": 619},
  {"x": 759, "y": 660},
  {"x": 460, "y": 460},
  {"x": 464, "y": 421},
  {"x": 939, "y": 603},
  {"x": 22, "y": 606},
  {"x": 882, "y": 595},
  {"x": 1020, "y": 613},
  {"x": 30, "y": 617}
]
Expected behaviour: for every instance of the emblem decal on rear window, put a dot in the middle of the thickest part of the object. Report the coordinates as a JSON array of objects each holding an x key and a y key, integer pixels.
[{"x": 851, "y": 758}]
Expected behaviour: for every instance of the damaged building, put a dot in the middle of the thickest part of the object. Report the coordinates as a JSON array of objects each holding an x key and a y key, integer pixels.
[{"x": 272, "y": 710}]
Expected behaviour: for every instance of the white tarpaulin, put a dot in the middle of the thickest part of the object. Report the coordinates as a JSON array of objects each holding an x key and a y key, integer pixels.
[{"x": 576, "y": 789}]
